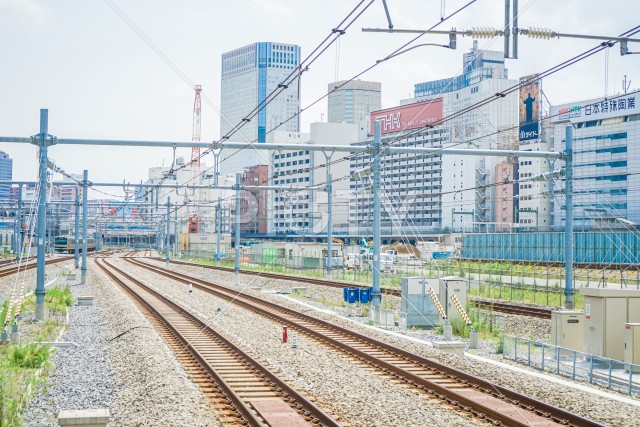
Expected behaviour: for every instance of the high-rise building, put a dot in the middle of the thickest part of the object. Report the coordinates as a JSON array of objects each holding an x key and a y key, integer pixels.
[
  {"x": 6, "y": 174},
  {"x": 251, "y": 75},
  {"x": 305, "y": 212},
  {"x": 506, "y": 202},
  {"x": 353, "y": 101},
  {"x": 535, "y": 204},
  {"x": 439, "y": 193},
  {"x": 606, "y": 161},
  {"x": 253, "y": 203}
]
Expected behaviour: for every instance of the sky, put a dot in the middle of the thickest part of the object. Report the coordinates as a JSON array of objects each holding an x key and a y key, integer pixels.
[{"x": 100, "y": 79}]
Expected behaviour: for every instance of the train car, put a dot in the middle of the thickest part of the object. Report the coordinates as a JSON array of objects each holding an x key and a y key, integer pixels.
[{"x": 66, "y": 244}]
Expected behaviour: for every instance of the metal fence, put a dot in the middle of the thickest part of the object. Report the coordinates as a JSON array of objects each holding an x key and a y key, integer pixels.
[{"x": 613, "y": 374}]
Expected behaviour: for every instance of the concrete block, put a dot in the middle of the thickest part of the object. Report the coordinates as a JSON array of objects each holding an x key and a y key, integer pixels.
[
  {"x": 448, "y": 332},
  {"x": 71, "y": 277},
  {"x": 15, "y": 338},
  {"x": 85, "y": 300},
  {"x": 474, "y": 340},
  {"x": 84, "y": 418},
  {"x": 453, "y": 347},
  {"x": 300, "y": 291}
]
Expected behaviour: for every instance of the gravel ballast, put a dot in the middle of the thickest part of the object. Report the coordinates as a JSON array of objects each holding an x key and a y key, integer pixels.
[
  {"x": 121, "y": 364},
  {"x": 353, "y": 394},
  {"x": 588, "y": 405}
]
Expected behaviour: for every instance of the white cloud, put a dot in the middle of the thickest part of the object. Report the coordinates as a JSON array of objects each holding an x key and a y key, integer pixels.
[
  {"x": 30, "y": 9},
  {"x": 277, "y": 8}
]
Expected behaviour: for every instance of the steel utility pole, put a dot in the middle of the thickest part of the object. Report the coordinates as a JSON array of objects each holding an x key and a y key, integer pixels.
[
  {"x": 76, "y": 243},
  {"x": 237, "y": 254},
  {"x": 175, "y": 232},
  {"x": 43, "y": 139},
  {"x": 568, "y": 232},
  {"x": 329, "y": 225},
  {"x": 376, "y": 294},
  {"x": 168, "y": 236},
  {"x": 18, "y": 235},
  {"x": 218, "y": 228},
  {"x": 85, "y": 191}
]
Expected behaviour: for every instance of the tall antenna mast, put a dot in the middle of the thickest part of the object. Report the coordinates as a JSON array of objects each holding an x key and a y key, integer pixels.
[
  {"x": 195, "y": 136},
  {"x": 625, "y": 84}
]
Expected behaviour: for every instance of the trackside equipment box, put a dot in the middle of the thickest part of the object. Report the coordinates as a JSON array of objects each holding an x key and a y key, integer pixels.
[
  {"x": 567, "y": 329},
  {"x": 606, "y": 313},
  {"x": 449, "y": 286},
  {"x": 416, "y": 304},
  {"x": 632, "y": 345}
]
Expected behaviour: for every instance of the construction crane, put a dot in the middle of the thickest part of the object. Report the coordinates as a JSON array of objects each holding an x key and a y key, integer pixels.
[{"x": 195, "y": 136}]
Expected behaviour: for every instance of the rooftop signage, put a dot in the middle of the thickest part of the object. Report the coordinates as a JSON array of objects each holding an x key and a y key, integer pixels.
[
  {"x": 406, "y": 117},
  {"x": 596, "y": 109}
]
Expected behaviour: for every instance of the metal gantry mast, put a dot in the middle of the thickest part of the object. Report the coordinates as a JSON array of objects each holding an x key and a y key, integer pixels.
[{"x": 195, "y": 135}]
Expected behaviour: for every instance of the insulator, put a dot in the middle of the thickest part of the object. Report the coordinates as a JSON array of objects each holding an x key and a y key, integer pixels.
[
  {"x": 483, "y": 32},
  {"x": 539, "y": 33}
]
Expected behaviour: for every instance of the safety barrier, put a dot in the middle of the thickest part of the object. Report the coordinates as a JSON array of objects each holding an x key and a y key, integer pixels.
[{"x": 610, "y": 373}]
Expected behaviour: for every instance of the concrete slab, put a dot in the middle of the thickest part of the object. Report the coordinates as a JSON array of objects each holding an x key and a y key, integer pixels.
[
  {"x": 453, "y": 347},
  {"x": 85, "y": 300},
  {"x": 84, "y": 417}
]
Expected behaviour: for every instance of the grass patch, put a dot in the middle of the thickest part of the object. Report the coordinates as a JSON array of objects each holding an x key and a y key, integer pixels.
[
  {"x": 56, "y": 301},
  {"x": 31, "y": 356},
  {"x": 551, "y": 296}
]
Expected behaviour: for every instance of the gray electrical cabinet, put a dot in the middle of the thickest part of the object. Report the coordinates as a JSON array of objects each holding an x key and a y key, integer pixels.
[
  {"x": 606, "y": 313},
  {"x": 632, "y": 345},
  {"x": 416, "y": 305},
  {"x": 567, "y": 329},
  {"x": 453, "y": 285}
]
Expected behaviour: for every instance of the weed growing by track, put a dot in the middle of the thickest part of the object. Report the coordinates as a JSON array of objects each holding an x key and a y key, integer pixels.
[{"x": 23, "y": 365}]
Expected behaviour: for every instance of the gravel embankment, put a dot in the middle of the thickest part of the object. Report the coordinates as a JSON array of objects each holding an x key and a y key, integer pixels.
[
  {"x": 28, "y": 277},
  {"x": 121, "y": 363},
  {"x": 594, "y": 407},
  {"x": 350, "y": 393}
]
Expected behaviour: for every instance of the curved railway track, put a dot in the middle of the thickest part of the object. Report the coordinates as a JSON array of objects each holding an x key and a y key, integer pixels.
[
  {"x": 481, "y": 398},
  {"x": 8, "y": 271},
  {"x": 243, "y": 391},
  {"x": 540, "y": 312}
]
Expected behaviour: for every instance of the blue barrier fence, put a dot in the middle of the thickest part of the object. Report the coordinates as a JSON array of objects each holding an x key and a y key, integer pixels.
[{"x": 589, "y": 247}]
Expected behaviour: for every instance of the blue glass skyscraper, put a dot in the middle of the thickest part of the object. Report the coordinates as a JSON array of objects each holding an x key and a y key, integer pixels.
[
  {"x": 6, "y": 174},
  {"x": 249, "y": 75}
]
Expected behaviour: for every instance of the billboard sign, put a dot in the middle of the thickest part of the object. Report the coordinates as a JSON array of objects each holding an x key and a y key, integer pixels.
[
  {"x": 597, "y": 109},
  {"x": 529, "y": 111},
  {"x": 413, "y": 116}
]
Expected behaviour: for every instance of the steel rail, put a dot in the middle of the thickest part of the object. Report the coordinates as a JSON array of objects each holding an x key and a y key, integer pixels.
[
  {"x": 281, "y": 386},
  {"x": 543, "y": 313},
  {"x": 29, "y": 266},
  {"x": 514, "y": 399}
]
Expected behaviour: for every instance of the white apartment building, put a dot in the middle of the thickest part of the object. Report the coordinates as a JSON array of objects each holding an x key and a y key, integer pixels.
[
  {"x": 535, "y": 197},
  {"x": 188, "y": 201},
  {"x": 305, "y": 212},
  {"x": 435, "y": 193}
]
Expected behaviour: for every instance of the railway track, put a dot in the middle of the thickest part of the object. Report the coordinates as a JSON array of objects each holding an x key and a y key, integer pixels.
[
  {"x": 243, "y": 391},
  {"x": 542, "y": 312},
  {"x": 466, "y": 392},
  {"x": 8, "y": 271}
]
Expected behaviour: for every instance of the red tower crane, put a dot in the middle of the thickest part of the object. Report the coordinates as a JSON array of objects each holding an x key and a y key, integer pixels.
[{"x": 197, "y": 109}]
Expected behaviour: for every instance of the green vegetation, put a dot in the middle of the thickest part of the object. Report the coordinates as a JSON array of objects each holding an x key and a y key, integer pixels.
[
  {"x": 56, "y": 301},
  {"x": 21, "y": 364},
  {"x": 551, "y": 296},
  {"x": 29, "y": 356}
]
